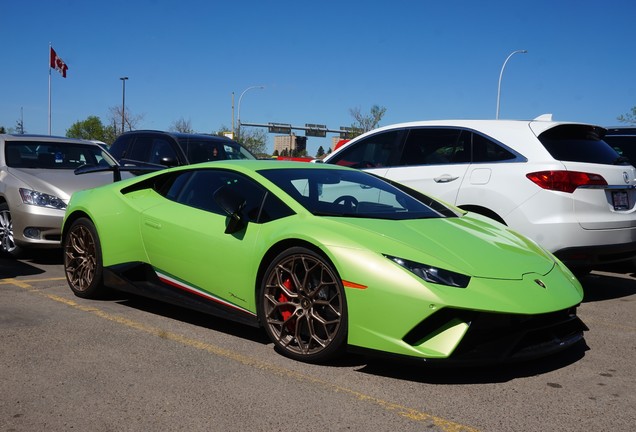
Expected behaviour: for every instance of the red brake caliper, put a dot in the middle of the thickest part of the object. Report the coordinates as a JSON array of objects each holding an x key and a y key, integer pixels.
[{"x": 286, "y": 310}]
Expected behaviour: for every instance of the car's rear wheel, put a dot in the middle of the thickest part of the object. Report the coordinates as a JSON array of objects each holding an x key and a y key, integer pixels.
[
  {"x": 83, "y": 260},
  {"x": 302, "y": 306},
  {"x": 7, "y": 242}
]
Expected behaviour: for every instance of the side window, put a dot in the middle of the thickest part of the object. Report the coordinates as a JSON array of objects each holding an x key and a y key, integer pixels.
[
  {"x": 379, "y": 150},
  {"x": 160, "y": 149},
  {"x": 196, "y": 188},
  {"x": 436, "y": 146},
  {"x": 203, "y": 151},
  {"x": 140, "y": 149},
  {"x": 119, "y": 149},
  {"x": 486, "y": 150}
]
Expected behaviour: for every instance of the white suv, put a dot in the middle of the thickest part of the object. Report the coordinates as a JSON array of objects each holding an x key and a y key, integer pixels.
[{"x": 557, "y": 183}]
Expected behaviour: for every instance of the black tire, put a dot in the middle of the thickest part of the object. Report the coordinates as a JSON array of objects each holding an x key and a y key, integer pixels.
[
  {"x": 302, "y": 306},
  {"x": 7, "y": 242},
  {"x": 83, "y": 260}
]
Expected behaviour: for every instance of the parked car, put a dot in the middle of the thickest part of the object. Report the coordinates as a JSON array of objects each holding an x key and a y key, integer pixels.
[
  {"x": 623, "y": 140},
  {"x": 324, "y": 257},
  {"x": 36, "y": 182},
  {"x": 168, "y": 149},
  {"x": 557, "y": 183}
]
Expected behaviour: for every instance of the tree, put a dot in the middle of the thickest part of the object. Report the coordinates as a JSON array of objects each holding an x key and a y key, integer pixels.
[
  {"x": 321, "y": 152},
  {"x": 366, "y": 122},
  {"x": 90, "y": 129},
  {"x": 629, "y": 118},
  {"x": 255, "y": 140},
  {"x": 2, "y": 130},
  {"x": 182, "y": 125},
  {"x": 130, "y": 120}
]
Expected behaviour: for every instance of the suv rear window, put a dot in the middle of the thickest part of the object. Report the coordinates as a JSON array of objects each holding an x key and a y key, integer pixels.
[{"x": 579, "y": 143}]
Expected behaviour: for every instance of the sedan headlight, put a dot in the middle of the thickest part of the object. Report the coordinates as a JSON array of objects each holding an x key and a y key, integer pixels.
[
  {"x": 433, "y": 274},
  {"x": 41, "y": 199}
]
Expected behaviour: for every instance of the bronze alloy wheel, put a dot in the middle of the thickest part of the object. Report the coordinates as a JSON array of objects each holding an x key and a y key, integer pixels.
[
  {"x": 82, "y": 259},
  {"x": 303, "y": 306}
]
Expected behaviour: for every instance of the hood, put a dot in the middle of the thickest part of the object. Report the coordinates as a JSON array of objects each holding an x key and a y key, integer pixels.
[
  {"x": 467, "y": 245},
  {"x": 60, "y": 182}
]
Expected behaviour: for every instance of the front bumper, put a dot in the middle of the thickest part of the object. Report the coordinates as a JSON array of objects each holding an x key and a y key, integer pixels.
[
  {"x": 492, "y": 338},
  {"x": 35, "y": 226}
]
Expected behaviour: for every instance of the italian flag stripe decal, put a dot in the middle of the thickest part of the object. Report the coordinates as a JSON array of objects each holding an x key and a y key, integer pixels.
[{"x": 196, "y": 291}]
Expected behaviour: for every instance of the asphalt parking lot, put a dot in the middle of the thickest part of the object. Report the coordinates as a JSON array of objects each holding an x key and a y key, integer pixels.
[{"x": 129, "y": 364}]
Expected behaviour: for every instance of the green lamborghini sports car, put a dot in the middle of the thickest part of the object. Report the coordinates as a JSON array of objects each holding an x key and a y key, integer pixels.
[{"x": 325, "y": 258}]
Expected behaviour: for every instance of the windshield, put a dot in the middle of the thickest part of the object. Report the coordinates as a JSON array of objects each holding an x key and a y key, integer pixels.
[
  {"x": 327, "y": 192},
  {"x": 54, "y": 155}
]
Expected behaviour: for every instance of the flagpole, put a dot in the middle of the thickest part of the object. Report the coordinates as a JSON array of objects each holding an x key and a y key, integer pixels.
[{"x": 49, "y": 88}]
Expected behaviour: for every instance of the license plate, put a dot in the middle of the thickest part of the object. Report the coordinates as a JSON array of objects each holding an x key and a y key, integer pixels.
[{"x": 620, "y": 200}]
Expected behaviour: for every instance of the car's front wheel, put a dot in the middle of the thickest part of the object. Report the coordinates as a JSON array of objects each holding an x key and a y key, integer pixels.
[
  {"x": 83, "y": 259},
  {"x": 7, "y": 242},
  {"x": 302, "y": 306}
]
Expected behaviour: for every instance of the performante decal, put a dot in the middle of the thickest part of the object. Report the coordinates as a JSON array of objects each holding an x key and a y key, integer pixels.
[{"x": 196, "y": 291}]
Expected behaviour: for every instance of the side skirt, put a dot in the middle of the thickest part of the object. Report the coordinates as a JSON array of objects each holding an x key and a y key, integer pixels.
[{"x": 142, "y": 279}]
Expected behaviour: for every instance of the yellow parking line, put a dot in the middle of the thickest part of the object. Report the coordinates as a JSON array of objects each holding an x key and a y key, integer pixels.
[
  {"x": 25, "y": 283},
  {"x": 409, "y": 413}
]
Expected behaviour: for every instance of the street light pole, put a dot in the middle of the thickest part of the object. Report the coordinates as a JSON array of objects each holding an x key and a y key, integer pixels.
[
  {"x": 238, "y": 116},
  {"x": 123, "y": 101},
  {"x": 501, "y": 74}
]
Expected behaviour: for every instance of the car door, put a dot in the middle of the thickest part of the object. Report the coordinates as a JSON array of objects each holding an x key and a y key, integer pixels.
[
  {"x": 375, "y": 153},
  {"x": 434, "y": 160},
  {"x": 185, "y": 236}
]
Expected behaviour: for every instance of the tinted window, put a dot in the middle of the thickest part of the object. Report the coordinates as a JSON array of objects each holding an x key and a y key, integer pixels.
[
  {"x": 161, "y": 148},
  {"x": 204, "y": 150},
  {"x": 485, "y": 150},
  {"x": 149, "y": 148},
  {"x": 140, "y": 149},
  {"x": 433, "y": 146},
  {"x": 196, "y": 188},
  {"x": 623, "y": 145},
  {"x": 579, "y": 143},
  {"x": 379, "y": 150},
  {"x": 120, "y": 146}
]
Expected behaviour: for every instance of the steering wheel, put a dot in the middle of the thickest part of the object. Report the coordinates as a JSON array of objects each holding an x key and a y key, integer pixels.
[{"x": 347, "y": 200}]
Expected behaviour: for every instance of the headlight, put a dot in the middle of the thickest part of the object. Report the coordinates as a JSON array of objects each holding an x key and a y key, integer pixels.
[
  {"x": 433, "y": 274},
  {"x": 41, "y": 199}
]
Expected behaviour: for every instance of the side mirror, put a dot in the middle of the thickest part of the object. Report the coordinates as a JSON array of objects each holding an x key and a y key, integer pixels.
[
  {"x": 169, "y": 161},
  {"x": 231, "y": 203}
]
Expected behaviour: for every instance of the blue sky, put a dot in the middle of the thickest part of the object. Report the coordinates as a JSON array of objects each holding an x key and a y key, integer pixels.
[{"x": 421, "y": 60}]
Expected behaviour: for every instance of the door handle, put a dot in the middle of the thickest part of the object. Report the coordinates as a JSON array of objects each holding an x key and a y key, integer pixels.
[
  {"x": 445, "y": 179},
  {"x": 152, "y": 223}
]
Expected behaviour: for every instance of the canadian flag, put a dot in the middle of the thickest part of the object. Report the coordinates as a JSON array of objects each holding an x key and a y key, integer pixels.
[{"x": 58, "y": 64}]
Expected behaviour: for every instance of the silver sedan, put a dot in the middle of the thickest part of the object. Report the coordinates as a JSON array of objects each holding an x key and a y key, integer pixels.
[{"x": 37, "y": 180}]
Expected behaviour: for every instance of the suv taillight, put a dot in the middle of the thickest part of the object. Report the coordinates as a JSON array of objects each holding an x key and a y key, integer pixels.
[{"x": 565, "y": 181}]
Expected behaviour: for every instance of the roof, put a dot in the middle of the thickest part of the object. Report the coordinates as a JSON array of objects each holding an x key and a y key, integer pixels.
[
  {"x": 181, "y": 135},
  {"x": 48, "y": 138}
]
